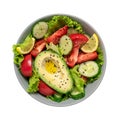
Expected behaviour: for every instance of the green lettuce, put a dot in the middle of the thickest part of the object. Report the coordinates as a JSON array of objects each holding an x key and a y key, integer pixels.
[
  {"x": 79, "y": 84},
  {"x": 100, "y": 59},
  {"x": 53, "y": 47},
  {"x": 18, "y": 58},
  {"x": 78, "y": 81},
  {"x": 59, "y": 21},
  {"x": 33, "y": 83}
]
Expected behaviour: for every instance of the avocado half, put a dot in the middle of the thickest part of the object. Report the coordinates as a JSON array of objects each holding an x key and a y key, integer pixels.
[{"x": 53, "y": 70}]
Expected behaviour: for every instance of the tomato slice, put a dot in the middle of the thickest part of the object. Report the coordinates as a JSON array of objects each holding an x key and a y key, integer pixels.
[
  {"x": 54, "y": 38},
  {"x": 39, "y": 46},
  {"x": 78, "y": 40},
  {"x": 83, "y": 57},
  {"x": 26, "y": 66},
  {"x": 72, "y": 58},
  {"x": 44, "y": 89}
]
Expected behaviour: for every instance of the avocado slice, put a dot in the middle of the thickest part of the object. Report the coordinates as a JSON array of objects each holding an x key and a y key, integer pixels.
[{"x": 53, "y": 70}]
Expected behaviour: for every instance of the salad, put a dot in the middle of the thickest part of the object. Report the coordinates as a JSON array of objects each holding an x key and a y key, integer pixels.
[{"x": 59, "y": 59}]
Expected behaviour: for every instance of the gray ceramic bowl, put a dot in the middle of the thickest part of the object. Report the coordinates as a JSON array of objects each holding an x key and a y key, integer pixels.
[{"x": 89, "y": 89}]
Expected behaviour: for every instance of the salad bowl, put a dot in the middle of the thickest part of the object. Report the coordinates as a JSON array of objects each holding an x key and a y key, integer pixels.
[{"x": 89, "y": 89}]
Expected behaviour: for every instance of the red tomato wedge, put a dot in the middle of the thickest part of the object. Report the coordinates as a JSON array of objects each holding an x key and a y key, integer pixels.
[
  {"x": 83, "y": 57},
  {"x": 78, "y": 40},
  {"x": 54, "y": 38},
  {"x": 26, "y": 66},
  {"x": 44, "y": 89},
  {"x": 72, "y": 58},
  {"x": 39, "y": 46}
]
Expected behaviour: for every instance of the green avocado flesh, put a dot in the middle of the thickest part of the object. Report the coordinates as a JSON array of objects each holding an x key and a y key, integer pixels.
[{"x": 53, "y": 70}]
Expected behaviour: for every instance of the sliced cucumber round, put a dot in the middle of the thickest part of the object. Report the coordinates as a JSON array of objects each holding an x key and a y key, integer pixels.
[
  {"x": 71, "y": 31},
  {"x": 65, "y": 45},
  {"x": 89, "y": 69},
  {"x": 39, "y": 30}
]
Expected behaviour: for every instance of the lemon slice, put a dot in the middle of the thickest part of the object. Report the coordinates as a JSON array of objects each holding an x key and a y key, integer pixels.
[
  {"x": 91, "y": 45},
  {"x": 26, "y": 46}
]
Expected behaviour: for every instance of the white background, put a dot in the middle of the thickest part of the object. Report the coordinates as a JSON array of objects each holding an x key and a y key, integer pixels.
[{"x": 16, "y": 15}]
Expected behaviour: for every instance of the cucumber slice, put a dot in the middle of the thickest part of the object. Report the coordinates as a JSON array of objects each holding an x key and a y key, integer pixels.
[
  {"x": 89, "y": 69},
  {"x": 39, "y": 30},
  {"x": 65, "y": 45},
  {"x": 71, "y": 31}
]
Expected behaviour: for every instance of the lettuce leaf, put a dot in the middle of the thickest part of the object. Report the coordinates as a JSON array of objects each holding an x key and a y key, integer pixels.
[
  {"x": 100, "y": 59},
  {"x": 79, "y": 84},
  {"x": 53, "y": 47},
  {"x": 33, "y": 83},
  {"x": 18, "y": 58},
  {"x": 78, "y": 81},
  {"x": 59, "y": 21}
]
